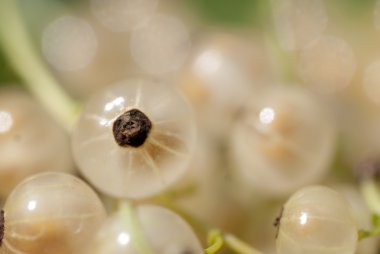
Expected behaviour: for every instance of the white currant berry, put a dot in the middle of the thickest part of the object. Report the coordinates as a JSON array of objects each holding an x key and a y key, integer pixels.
[
  {"x": 327, "y": 65},
  {"x": 165, "y": 232},
  {"x": 316, "y": 220},
  {"x": 160, "y": 46},
  {"x": 69, "y": 43},
  {"x": 134, "y": 139},
  {"x": 30, "y": 140},
  {"x": 110, "y": 60},
  {"x": 282, "y": 141},
  {"x": 223, "y": 71},
  {"x": 51, "y": 213}
]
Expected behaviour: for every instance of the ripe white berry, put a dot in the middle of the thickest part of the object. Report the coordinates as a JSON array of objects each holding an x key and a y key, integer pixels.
[
  {"x": 316, "y": 220},
  {"x": 30, "y": 140},
  {"x": 134, "y": 139},
  {"x": 51, "y": 213},
  {"x": 165, "y": 231},
  {"x": 327, "y": 65},
  {"x": 283, "y": 141}
]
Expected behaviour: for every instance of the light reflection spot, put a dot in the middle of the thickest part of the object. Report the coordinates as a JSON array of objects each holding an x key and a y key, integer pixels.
[
  {"x": 123, "y": 238},
  {"x": 119, "y": 101},
  {"x": 267, "y": 115},
  {"x": 32, "y": 205},
  {"x": 208, "y": 63},
  {"x": 303, "y": 218},
  {"x": 6, "y": 121}
]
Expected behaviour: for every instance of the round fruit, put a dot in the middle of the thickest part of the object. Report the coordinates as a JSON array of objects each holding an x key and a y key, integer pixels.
[
  {"x": 316, "y": 220},
  {"x": 134, "y": 139},
  {"x": 161, "y": 45},
  {"x": 283, "y": 140},
  {"x": 30, "y": 140},
  {"x": 164, "y": 231},
  {"x": 51, "y": 213},
  {"x": 69, "y": 43},
  {"x": 327, "y": 64}
]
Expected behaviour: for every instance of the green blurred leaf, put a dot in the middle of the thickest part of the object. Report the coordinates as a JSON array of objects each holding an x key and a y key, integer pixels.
[
  {"x": 353, "y": 8},
  {"x": 227, "y": 12},
  {"x": 7, "y": 75}
]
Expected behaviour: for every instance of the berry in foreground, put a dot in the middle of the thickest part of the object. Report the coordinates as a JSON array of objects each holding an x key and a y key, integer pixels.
[
  {"x": 51, "y": 213},
  {"x": 316, "y": 220},
  {"x": 165, "y": 232},
  {"x": 134, "y": 139}
]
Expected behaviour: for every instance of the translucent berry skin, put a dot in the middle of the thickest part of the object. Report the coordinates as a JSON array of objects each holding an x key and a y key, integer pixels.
[
  {"x": 160, "y": 46},
  {"x": 51, "y": 213},
  {"x": 283, "y": 140},
  {"x": 69, "y": 43},
  {"x": 30, "y": 140},
  {"x": 317, "y": 220},
  {"x": 165, "y": 231},
  {"x": 327, "y": 65},
  {"x": 144, "y": 170}
]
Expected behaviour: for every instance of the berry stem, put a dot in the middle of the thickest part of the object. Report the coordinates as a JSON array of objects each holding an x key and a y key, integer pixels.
[
  {"x": 239, "y": 246},
  {"x": 283, "y": 60},
  {"x": 140, "y": 243},
  {"x": 24, "y": 59},
  {"x": 371, "y": 196},
  {"x": 215, "y": 242}
]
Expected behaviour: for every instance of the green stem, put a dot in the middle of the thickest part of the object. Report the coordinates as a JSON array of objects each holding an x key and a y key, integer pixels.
[
  {"x": 283, "y": 59},
  {"x": 239, "y": 246},
  {"x": 24, "y": 59},
  {"x": 366, "y": 234},
  {"x": 139, "y": 241},
  {"x": 217, "y": 239},
  {"x": 371, "y": 196},
  {"x": 215, "y": 242}
]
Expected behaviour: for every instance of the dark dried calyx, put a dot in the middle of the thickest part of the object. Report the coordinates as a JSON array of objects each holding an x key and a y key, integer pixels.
[
  {"x": 132, "y": 128},
  {"x": 2, "y": 226},
  {"x": 277, "y": 221}
]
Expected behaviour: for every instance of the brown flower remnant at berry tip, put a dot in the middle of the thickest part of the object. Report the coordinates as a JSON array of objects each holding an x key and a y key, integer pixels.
[
  {"x": 277, "y": 221},
  {"x": 131, "y": 128},
  {"x": 2, "y": 226}
]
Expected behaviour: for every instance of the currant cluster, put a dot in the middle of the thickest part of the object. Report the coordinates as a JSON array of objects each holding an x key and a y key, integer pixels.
[{"x": 216, "y": 134}]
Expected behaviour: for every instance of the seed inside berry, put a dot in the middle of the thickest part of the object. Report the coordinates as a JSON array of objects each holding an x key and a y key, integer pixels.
[{"x": 132, "y": 128}]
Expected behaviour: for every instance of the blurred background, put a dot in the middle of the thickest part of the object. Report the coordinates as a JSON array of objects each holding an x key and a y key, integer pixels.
[{"x": 224, "y": 55}]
